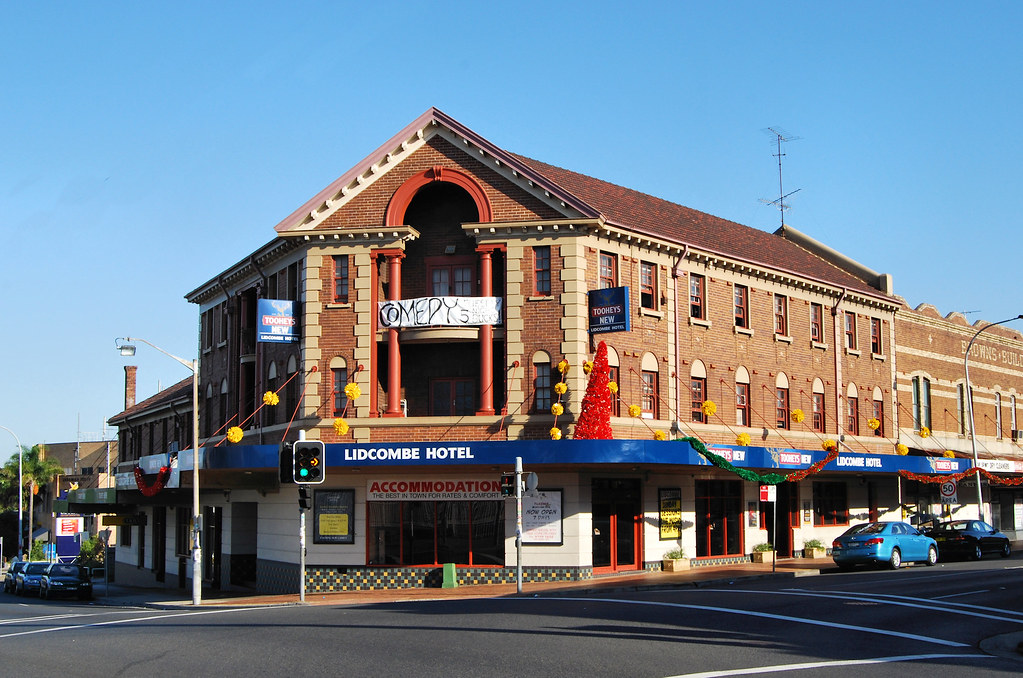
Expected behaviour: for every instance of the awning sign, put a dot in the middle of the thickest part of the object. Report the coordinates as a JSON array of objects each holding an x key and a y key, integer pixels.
[{"x": 434, "y": 489}]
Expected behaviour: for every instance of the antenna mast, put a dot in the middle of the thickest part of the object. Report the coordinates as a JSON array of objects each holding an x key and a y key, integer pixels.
[{"x": 780, "y": 136}]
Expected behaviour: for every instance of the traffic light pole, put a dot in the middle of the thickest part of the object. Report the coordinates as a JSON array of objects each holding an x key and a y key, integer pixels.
[
  {"x": 301, "y": 557},
  {"x": 518, "y": 524}
]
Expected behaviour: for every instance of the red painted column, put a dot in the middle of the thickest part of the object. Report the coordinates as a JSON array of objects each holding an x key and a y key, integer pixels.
[
  {"x": 486, "y": 338},
  {"x": 393, "y": 353}
]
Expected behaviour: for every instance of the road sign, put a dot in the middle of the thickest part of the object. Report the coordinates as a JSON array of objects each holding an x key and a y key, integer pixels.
[
  {"x": 949, "y": 492},
  {"x": 768, "y": 492}
]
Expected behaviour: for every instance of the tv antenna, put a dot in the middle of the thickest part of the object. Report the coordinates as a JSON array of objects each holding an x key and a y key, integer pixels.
[{"x": 780, "y": 137}]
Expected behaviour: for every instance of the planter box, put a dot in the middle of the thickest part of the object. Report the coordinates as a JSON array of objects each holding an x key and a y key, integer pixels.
[
  {"x": 675, "y": 565},
  {"x": 762, "y": 557},
  {"x": 815, "y": 553}
]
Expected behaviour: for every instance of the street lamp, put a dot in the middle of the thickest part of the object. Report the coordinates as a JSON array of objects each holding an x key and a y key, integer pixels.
[
  {"x": 969, "y": 397},
  {"x": 21, "y": 488},
  {"x": 128, "y": 349}
]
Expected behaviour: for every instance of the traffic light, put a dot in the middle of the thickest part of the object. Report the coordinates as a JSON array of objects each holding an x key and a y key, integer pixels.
[
  {"x": 508, "y": 485},
  {"x": 309, "y": 463},
  {"x": 305, "y": 502},
  {"x": 287, "y": 462}
]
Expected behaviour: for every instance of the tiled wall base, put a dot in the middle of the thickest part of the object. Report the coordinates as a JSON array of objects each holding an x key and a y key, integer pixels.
[{"x": 276, "y": 577}]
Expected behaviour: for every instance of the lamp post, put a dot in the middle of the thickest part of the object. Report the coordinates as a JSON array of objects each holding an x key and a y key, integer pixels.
[
  {"x": 21, "y": 488},
  {"x": 128, "y": 349},
  {"x": 969, "y": 397}
]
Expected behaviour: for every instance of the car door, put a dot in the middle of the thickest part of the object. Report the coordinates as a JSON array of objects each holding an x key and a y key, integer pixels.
[{"x": 986, "y": 534}]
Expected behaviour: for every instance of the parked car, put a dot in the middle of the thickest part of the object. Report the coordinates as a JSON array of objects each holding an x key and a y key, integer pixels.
[
  {"x": 970, "y": 539},
  {"x": 12, "y": 572},
  {"x": 884, "y": 544},
  {"x": 66, "y": 579},
  {"x": 27, "y": 581}
]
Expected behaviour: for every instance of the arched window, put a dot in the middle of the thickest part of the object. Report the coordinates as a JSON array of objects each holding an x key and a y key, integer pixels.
[
  {"x": 781, "y": 390},
  {"x": 339, "y": 379},
  {"x": 542, "y": 384},
  {"x": 208, "y": 412},
  {"x": 818, "y": 408},
  {"x": 650, "y": 387},
  {"x": 223, "y": 403},
  {"x": 922, "y": 402},
  {"x": 878, "y": 412},
  {"x": 852, "y": 410},
  {"x": 270, "y": 412},
  {"x": 698, "y": 390},
  {"x": 742, "y": 398},
  {"x": 614, "y": 374}
]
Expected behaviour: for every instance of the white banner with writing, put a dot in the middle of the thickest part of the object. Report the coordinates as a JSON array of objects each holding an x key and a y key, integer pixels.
[{"x": 444, "y": 311}]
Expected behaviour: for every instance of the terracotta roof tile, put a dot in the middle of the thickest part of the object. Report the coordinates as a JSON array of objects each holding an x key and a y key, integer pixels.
[{"x": 180, "y": 390}]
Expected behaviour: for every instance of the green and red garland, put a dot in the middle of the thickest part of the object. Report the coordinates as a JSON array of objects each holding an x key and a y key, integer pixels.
[
  {"x": 162, "y": 476},
  {"x": 926, "y": 478}
]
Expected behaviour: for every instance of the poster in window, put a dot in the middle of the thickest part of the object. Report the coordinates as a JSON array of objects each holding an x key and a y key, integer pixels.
[
  {"x": 333, "y": 517},
  {"x": 541, "y": 518},
  {"x": 669, "y": 511}
]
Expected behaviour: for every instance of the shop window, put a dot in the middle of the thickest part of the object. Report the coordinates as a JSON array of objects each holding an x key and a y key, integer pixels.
[
  {"x": 542, "y": 270},
  {"x": 817, "y": 323},
  {"x": 830, "y": 506},
  {"x": 852, "y": 423},
  {"x": 781, "y": 315},
  {"x": 742, "y": 306},
  {"x": 818, "y": 414},
  {"x": 698, "y": 386},
  {"x": 648, "y": 285},
  {"x": 608, "y": 270},
  {"x": 467, "y": 533},
  {"x": 452, "y": 397},
  {"x": 875, "y": 336},
  {"x": 341, "y": 282},
  {"x": 697, "y": 297},
  {"x": 850, "y": 330}
]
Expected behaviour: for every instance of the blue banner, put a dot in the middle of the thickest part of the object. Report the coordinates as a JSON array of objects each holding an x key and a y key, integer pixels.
[
  {"x": 277, "y": 322},
  {"x": 609, "y": 310}
]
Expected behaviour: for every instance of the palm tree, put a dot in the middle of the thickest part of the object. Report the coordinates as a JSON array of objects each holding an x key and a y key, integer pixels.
[{"x": 38, "y": 472}]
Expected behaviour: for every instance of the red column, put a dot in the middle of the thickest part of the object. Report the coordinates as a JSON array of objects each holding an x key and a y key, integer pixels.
[
  {"x": 393, "y": 353},
  {"x": 486, "y": 338}
]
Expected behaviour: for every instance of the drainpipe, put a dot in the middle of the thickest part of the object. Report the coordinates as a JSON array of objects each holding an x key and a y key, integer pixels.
[{"x": 836, "y": 327}]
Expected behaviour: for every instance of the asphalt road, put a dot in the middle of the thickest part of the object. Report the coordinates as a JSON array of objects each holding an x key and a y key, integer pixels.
[{"x": 917, "y": 621}]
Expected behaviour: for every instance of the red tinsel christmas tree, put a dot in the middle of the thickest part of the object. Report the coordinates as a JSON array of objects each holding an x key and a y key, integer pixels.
[{"x": 595, "y": 416}]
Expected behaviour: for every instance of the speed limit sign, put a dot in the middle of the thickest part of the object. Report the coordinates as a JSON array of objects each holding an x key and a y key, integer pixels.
[{"x": 949, "y": 493}]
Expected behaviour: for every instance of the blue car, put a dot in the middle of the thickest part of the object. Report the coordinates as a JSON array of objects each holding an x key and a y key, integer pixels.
[{"x": 884, "y": 544}]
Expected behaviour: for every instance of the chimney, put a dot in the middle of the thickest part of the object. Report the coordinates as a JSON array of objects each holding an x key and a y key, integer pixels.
[{"x": 129, "y": 386}]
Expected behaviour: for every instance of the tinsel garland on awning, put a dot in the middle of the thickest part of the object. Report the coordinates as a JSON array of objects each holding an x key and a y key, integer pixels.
[
  {"x": 945, "y": 477},
  {"x": 753, "y": 476}
]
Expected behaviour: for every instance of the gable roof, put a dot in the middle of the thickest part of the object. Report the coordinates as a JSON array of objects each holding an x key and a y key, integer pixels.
[
  {"x": 179, "y": 392},
  {"x": 581, "y": 195}
]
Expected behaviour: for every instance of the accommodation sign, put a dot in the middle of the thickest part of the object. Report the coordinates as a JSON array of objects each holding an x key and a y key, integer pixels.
[
  {"x": 443, "y": 311},
  {"x": 433, "y": 489}
]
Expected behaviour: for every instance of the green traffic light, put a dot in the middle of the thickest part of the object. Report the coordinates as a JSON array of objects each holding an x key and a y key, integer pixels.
[{"x": 303, "y": 472}]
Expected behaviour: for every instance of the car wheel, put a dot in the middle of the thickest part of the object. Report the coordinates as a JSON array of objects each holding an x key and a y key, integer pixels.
[
  {"x": 895, "y": 561},
  {"x": 932, "y": 556},
  {"x": 977, "y": 553},
  {"x": 1006, "y": 550}
]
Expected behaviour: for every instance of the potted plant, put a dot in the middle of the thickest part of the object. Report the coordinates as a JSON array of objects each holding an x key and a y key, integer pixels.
[
  {"x": 763, "y": 553},
  {"x": 814, "y": 548},
  {"x": 675, "y": 560}
]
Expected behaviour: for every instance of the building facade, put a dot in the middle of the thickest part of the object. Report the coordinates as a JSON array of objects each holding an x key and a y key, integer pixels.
[{"x": 462, "y": 288}]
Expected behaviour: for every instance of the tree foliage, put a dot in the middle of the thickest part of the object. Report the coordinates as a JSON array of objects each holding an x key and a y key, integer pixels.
[{"x": 36, "y": 470}]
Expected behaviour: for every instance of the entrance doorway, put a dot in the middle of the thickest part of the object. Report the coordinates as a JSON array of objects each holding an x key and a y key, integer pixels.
[
  {"x": 617, "y": 522},
  {"x": 718, "y": 518},
  {"x": 787, "y": 517}
]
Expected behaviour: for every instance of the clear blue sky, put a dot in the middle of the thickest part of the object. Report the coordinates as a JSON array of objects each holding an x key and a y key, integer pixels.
[{"x": 144, "y": 147}]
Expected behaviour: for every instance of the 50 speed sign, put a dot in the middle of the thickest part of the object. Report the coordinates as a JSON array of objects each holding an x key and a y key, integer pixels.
[{"x": 949, "y": 492}]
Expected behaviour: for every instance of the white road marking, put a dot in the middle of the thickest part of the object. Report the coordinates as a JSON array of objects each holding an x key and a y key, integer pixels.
[
  {"x": 779, "y": 617},
  {"x": 127, "y": 621},
  {"x": 956, "y": 595},
  {"x": 924, "y": 602},
  {"x": 825, "y": 665}
]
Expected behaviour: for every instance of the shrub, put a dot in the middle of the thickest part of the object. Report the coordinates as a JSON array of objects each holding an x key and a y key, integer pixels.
[
  {"x": 91, "y": 554},
  {"x": 813, "y": 544},
  {"x": 677, "y": 553},
  {"x": 763, "y": 547}
]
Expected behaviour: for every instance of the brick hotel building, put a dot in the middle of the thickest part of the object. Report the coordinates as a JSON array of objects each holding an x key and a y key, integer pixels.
[{"x": 448, "y": 278}]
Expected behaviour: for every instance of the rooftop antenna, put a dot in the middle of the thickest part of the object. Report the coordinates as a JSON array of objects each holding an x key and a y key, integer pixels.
[{"x": 780, "y": 136}]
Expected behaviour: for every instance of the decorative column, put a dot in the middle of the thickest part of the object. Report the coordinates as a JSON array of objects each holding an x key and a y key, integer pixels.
[
  {"x": 486, "y": 336},
  {"x": 394, "y": 258}
]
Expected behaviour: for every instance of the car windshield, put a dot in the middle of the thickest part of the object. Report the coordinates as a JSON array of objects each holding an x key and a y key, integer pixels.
[
  {"x": 36, "y": 568},
  {"x": 64, "y": 571},
  {"x": 958, "y": 525},
  {"x": 865, "y": 528}
]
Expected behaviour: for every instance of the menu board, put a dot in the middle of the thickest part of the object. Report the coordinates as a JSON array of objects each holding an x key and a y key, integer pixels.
[
  {"x": 541, "y": 517},
  {"x": 334, "y": 513}
]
